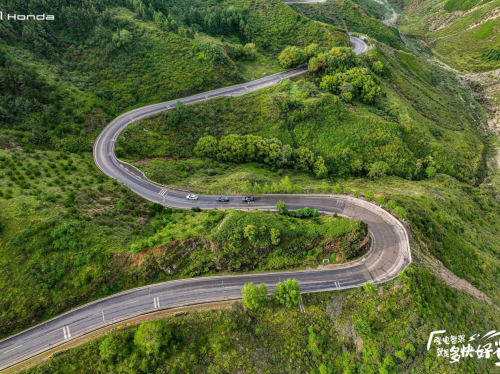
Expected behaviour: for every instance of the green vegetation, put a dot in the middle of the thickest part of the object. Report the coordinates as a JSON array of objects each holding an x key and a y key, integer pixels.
[
  {"x": 340, "y": 332},
  {"x": 239, "y": 149},
  {"x": 287, "y": 293},
  {"x": 240, "y": 241},
  {"x": 68, "y": 230},
  {"x": 359, "y": 16},
  {"x": 459, "y": 32},
  {"x": 62, "y": 81},
  {"x": 385, "y": 126},
  {"x": 253, "y": 296},
  {"x": 418, "y": 122}
]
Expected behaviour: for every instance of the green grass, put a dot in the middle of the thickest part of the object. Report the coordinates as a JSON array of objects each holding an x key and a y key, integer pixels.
[
  {"x": 360, "y": 18},
  {"x": 61, "y": 97},
  {"x": 422, "y": 114},
  {"x": 63, "y": 220},
  {"x": 68, "y": 235},
  {"x": 400, "y": 317},
  {"x": 222, "y": 245},
  {"x": 459, "y": 39},
  {"x": 421, "y": 118}
]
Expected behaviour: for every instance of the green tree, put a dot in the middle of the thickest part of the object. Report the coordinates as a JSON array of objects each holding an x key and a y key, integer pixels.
[
  {"x": 430, "y": 171},
  {"x": 256, "y": 148},
  {"x": 122, "y": 39},
  {"x": 109, "y": 348},
  {"x": 323, "y": 369},
  {"x": 320, "y": 170},
  {"x": 370, "y": 288},
  {"x": 400, "y": 212},
  {"x": 291, "y": 57},
  {"x": 325, "y": 187},
  {"x": 313, "y": 65},
  {"x": 400, "y": 354},
  {"x": 311, "y": 50},
  {"x": 410, "y": 348},
  {"x": 177, "y": 115},
  {"x": 362, "y": 328},
  {"x": 281, "y": 207},
  {"x": 315, "y": 342},
  {"x": 304, "y": 160},
  {"x": 286, "y": 185},
  {"x": 247, "y": 187},
  {"x": 287, "y": 293},
  {"x": 347, "y": 190},
  {"x": 150, "y": 337},
  {"x": 253, "y": 296},
  {"x": 369, "y": 195},
  {"x": 206, "y": 147},
  {"x": 357, "y": 192},
  {"x": 251, "y": 232},
  {"x": 379, "y": 169},
  {"x": 380, "y": 200},
  {"x": 232, "y": 148},
  {"x": 378, "y": 67},
  {"x": 363, "y": 85},
  {"x": 391, "y": 205},
  {"x": 277, "y": 154},
  {"x": 337, "y": 189},
  {"x": 275, "y": 236},
  {"x": 257, "y": 189}
]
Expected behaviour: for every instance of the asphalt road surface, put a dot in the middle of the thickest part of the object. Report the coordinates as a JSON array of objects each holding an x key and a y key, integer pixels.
[{"x": 388, "y": 256}]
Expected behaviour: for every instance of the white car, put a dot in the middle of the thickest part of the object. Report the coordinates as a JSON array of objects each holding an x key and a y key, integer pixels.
[{"x": 192, "y": 197}]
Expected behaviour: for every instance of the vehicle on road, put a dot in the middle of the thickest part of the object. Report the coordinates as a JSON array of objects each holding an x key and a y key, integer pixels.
[
  {"x": 57, "y": 353},
  {"x": 223, "y": 199},
  {"x": 248, "y": 199},
  {"x": 180, "y": 313},
  {"x": 192, "y": 197}
]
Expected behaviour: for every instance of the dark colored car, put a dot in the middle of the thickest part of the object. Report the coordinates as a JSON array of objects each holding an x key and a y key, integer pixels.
[
  {"x": 223, "y": 199},
  {"x": 248, "y": 199}
]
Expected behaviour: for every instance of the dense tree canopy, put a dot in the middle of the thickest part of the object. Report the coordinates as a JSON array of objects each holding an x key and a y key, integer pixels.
[
  {"x": 237, "y": 148},
  {"x": 253, "y": 296},
  {"x": 287, "y": 293},
  {"x": 152, "y": 336}
]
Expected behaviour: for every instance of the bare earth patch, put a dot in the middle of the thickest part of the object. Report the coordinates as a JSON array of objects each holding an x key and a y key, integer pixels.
[{"x": 438, "y": 269}]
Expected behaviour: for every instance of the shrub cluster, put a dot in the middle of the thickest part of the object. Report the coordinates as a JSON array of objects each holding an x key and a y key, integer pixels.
[
  {"x": 339, "y": 71},
  {"x": 248, "y": 148}
]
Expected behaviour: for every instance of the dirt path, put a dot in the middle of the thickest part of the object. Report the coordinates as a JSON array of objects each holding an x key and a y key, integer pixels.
[
  {"x": 446, "y": 275},
  {"x": 391, "y": 21}
]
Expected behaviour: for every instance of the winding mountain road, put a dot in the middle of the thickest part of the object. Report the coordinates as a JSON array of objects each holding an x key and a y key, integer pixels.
[{"x": 388, "y": 256}]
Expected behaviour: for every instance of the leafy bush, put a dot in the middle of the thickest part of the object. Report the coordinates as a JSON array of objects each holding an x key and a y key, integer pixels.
[
  {"x": 252, "y": 148},
  {"x": 253, "y": 296},
  {"x": 357, "y": 81},
  {"x": 151, "y": 337},
  {"x": 362, "y": 328},
  {"x": 287, "y": 293}
]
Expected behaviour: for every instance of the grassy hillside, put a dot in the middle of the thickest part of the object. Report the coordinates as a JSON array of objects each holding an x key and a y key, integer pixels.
[
  {"x": 417, "y": 145},
  {"x": 69, "y": 235},
  {"x": 423, "y": 117},
  {"x": 363, "y": 17},
  {"x": 61, "y": 87},
  {"x": 341, "y": 332},
  {"x": 463, "y": 34}
]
